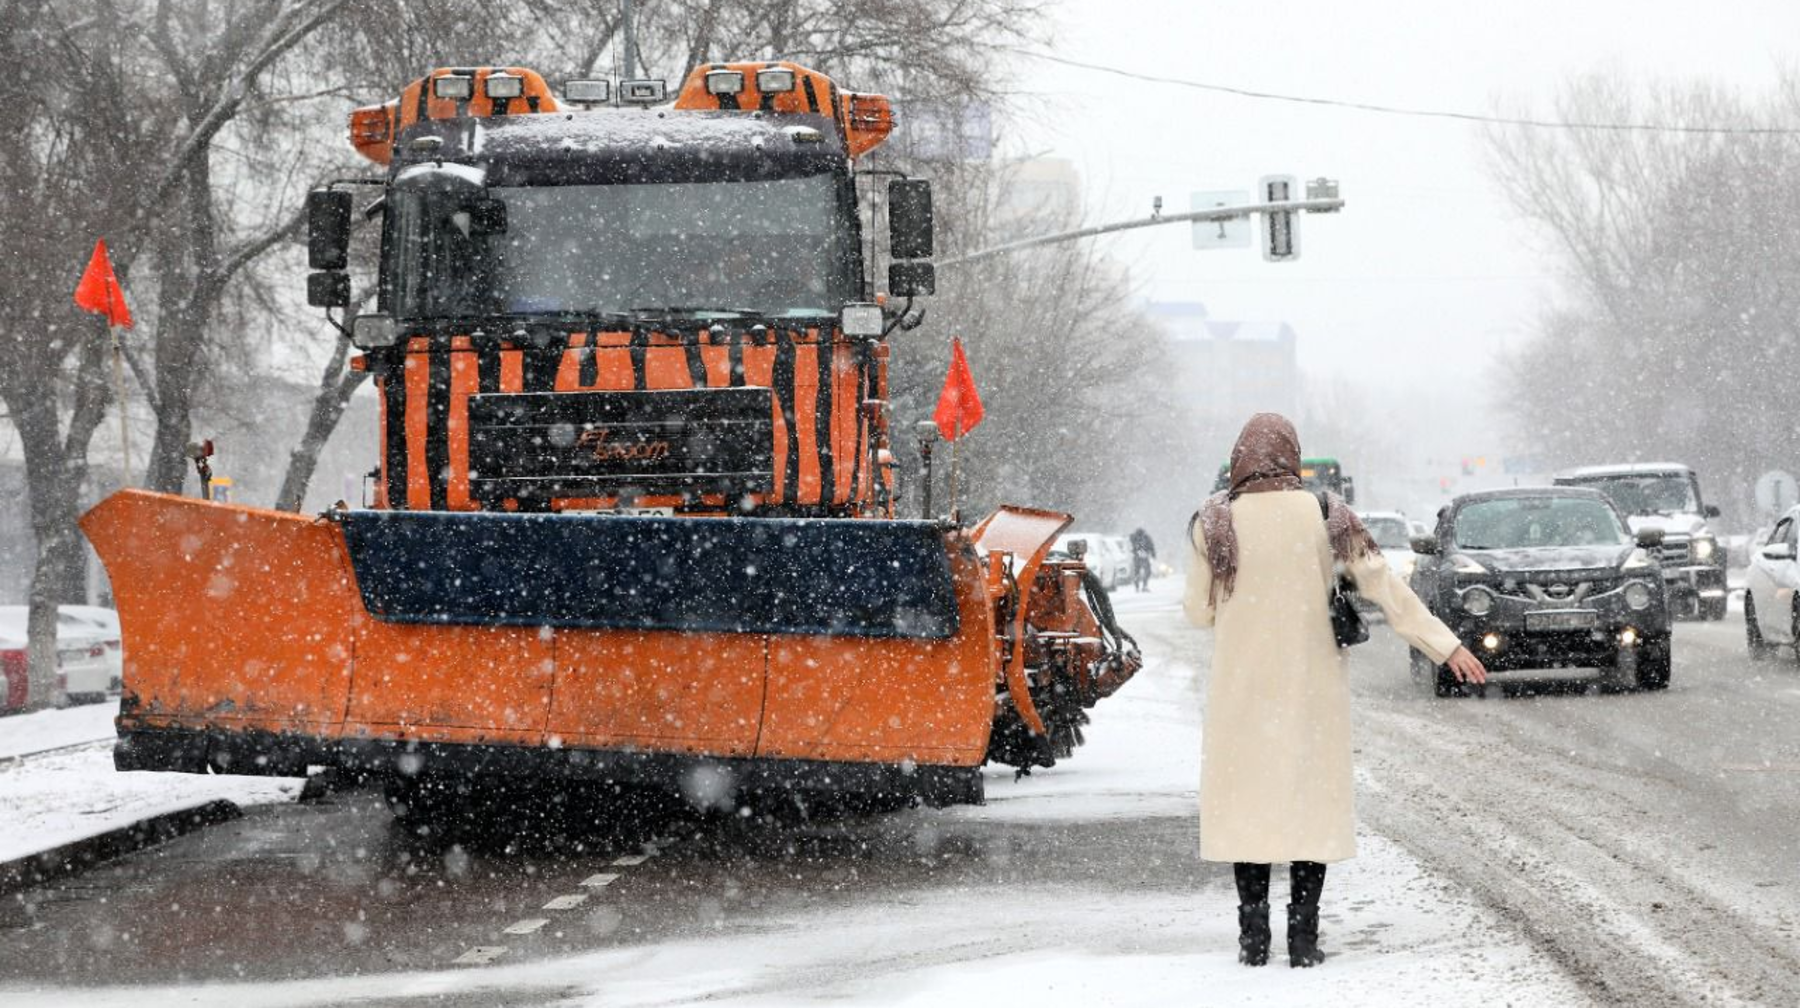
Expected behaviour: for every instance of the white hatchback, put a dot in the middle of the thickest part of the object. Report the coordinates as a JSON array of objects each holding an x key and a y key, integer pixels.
[{"x": 1771, "y": 609}]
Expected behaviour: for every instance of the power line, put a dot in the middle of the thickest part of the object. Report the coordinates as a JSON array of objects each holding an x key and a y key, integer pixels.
[{"x": 1617, "y": 127}]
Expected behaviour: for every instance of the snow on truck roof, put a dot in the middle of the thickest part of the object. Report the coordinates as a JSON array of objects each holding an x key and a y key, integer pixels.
[
  {"x": 631, "y": 145},
  {"x": 1624, "y": 469}
]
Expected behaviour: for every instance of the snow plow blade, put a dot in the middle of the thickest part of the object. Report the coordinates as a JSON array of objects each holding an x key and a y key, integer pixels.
[{"x": 834, "y": 653}]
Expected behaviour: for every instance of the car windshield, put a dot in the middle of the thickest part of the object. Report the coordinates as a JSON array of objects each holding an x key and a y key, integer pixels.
[
  {"x": 779, "y": 247},
  {"x": 1389, "y": 533},
  {"x": 1659, "y": 493},
  {"x": 1527, "y": 522}
]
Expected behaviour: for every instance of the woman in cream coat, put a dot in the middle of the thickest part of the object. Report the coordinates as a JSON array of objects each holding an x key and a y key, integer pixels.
[{"x": 1275, "y": 780}]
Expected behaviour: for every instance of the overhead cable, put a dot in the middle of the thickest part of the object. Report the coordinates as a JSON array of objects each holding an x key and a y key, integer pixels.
[{"x": 1618, "y": 127}]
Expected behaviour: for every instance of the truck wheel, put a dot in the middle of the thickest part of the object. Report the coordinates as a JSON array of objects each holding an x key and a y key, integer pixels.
[
  {"x": 1653, "y": 663},
  {"x": 1760, "y": 649}
]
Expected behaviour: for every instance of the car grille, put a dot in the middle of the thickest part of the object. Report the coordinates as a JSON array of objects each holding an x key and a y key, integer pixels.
[{"x": 1555, "y": 592}]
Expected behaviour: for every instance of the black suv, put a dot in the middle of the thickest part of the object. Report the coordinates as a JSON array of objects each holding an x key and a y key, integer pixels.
[{"x": 1546, "y": 583}]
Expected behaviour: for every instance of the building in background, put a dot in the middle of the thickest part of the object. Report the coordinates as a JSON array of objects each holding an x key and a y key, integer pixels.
[{"x": 1230, "y": 369}]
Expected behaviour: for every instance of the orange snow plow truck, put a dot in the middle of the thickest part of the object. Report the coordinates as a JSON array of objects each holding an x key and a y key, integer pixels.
[{"x": 635, "y": 513}]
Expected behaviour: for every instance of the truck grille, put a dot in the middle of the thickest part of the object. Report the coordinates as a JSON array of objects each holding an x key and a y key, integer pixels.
[{"x": 1674, "y": 552}]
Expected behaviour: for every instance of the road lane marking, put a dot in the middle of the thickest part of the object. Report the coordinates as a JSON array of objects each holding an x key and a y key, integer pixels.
[
  {"x": 569, "y": 902},
  {"x": 631, "y": 859},
  {"x": 480, "y": 955},
  {"x": 527, "y": 926},
  {"x": 601, "y": 880}
]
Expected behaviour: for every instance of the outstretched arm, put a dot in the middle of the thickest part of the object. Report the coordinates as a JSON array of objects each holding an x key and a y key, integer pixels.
[{"x": 1411, "y": 620}]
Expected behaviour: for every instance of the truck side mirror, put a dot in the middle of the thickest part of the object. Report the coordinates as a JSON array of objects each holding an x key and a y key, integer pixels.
[
  {"x": 328, "y": 289},
  {"x": 1711, "y": 510},
  {"x": 909, "y": 219},
  {"x": 1426, "y": 545},
  {"x": 908, "y": 279},
  {"x": 327, "y": 229},
  {"x": 1649, "y": 538},
  {"x": 1349, "y": 490}
]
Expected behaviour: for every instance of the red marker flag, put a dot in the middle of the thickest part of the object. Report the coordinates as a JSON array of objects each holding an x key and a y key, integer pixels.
[
  {"x": 959, "y": 405},
  {"x": 99, "y": 291}
]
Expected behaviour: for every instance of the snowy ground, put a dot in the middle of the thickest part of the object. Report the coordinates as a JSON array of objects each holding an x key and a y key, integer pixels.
[
  {"x": 61, "y": 797},
  {"x": 1070, "y": 936}
]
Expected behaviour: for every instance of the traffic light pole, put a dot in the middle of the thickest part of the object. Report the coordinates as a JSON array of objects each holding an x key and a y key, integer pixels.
[{"x": 1213, "y": 214}]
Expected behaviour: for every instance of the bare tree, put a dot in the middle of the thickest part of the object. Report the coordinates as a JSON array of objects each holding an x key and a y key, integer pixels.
[{"x": 1678, "y": 248}]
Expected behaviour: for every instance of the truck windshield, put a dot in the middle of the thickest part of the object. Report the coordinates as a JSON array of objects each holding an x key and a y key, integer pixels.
[
  {"x": 1648, "y": 493},
  {"x": 771, "y": 248},
  {"x": 1530, "y": 522}
]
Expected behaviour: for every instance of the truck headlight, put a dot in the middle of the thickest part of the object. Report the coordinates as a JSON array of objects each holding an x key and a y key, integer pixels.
[
  {"x": 1478, "y": 601},
  {"x": 1638, "y": 595},
  {"x": 1703, "y": 549}
]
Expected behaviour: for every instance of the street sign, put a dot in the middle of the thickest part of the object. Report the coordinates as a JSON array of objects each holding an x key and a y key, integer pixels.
[
  {"x": 1280, "y": 228},
  {"x": 1233, "y": 233},
  {"x": 1776, "y": 491}
]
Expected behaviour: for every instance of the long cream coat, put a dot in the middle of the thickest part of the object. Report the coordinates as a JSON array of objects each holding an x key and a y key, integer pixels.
[{"x": 1275, "y": 758}]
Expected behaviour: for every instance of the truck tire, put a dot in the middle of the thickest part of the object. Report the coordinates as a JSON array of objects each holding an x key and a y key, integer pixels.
[
  {"x": 1760, "y": 649},
  {"x": 1653, "y": 663}
]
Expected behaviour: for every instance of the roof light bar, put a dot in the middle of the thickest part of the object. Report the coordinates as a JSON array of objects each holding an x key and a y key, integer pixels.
[
  {"x": 775, "y": 80},
  {"x": 724, "y": 82},
  {"x": 452, "y": 86},
  {"x": 588, "y": 92},
  {"x": 504, "y": 85},
  {"x": 642, "y": 92}
]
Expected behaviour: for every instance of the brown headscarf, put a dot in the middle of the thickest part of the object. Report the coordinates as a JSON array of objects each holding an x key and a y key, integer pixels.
[{"x": 1266, "y": 458}]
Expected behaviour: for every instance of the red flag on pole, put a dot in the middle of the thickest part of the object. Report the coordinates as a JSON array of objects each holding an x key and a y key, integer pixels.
[
  {"x": 99, "y": 291},
  {"x": 959, "y": 405}
]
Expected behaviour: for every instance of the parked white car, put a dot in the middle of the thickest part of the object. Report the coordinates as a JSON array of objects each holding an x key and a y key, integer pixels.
[
  {"x": 107, "y": 620},
  {"x": 1105, "y": 558},
  {"x": 82, "y": 662},
  {"x": 1771, "y": 605}
]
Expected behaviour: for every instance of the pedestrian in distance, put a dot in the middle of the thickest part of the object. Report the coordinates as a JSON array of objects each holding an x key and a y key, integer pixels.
[
  {"x": 1275, "y": 778},
  {"x": 1143, "y": 552}
]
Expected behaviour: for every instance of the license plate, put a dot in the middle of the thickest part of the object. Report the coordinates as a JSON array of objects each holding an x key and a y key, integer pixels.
[
  {"x": 1565, "y": 619},
  {"x": 640, "y": 512}
]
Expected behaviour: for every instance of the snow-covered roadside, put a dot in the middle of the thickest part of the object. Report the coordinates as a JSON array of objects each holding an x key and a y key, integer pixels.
[
  {"x": 60, "y": 798},
  {"x": 1397, "y": 935},
  {"x": 28, "y": 733}
]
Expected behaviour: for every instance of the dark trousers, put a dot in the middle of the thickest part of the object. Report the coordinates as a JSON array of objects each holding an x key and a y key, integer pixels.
[{"x": 1306, "y": 880}]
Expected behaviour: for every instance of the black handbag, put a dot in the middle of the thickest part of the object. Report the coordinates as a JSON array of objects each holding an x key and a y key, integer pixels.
[{"x": 1347, "y": 626}]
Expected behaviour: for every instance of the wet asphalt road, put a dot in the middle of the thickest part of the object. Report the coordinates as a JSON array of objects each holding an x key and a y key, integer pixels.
[{"x": 1647, "y": 842}]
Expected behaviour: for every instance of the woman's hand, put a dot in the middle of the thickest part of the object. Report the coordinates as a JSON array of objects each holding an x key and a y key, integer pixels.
[{"x": 1466, "y": 667}]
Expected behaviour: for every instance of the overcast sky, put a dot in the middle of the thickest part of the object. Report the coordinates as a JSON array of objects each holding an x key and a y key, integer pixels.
[{"x": 1427, "y": 269}]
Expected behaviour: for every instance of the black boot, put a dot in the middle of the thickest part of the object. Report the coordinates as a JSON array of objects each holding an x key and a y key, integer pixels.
[
  {"x": 1303, "y": 935},
  {"x": 1253, "y": 934}
]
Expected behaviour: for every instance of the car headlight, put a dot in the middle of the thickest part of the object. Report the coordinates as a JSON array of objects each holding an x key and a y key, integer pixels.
[
  {"x": 1702, "y": 549},
  {"x": 1478, "y": 601},
  {"x": 1638, "y": 595},
  {"x": 1466, "y": 565}
]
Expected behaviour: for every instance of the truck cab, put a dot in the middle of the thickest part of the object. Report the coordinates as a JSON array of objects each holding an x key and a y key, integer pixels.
[{"x": 1666, "y": 496}]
